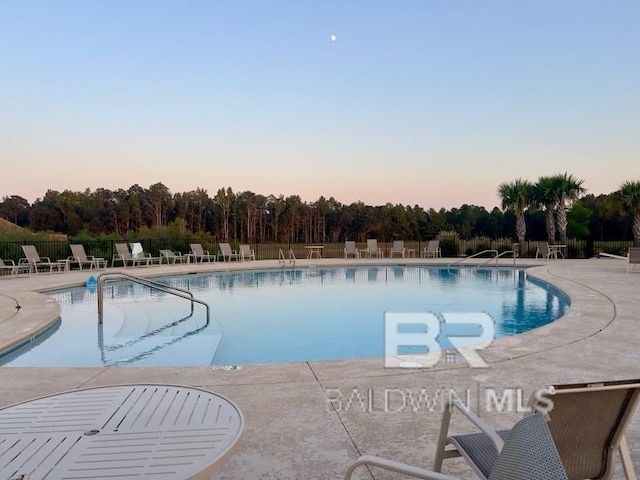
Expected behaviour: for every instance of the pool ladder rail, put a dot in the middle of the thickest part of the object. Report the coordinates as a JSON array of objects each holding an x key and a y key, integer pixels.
[
  {"x": 489, "y": 260},
  {"x": 178, "y": 292},
  {"x": 283, "y": 260}
]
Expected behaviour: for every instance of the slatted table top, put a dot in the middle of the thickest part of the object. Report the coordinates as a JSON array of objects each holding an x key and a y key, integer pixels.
[{"x": 119, "y": 432}]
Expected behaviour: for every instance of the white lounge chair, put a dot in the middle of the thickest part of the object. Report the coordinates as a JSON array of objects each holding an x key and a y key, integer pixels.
[
  {"x": 9, "y": 267},
  {"x": 633, "y": 258},
  {"x": 587, "y": 422},
  {"x": 528, "y": 453},
  {"x": 397, "y": 249},
  {"x": 79, "y": 257},
  {"x": 350, "y": 249},
  {"x": 38, "y": 263},
  {"x": 372, "y": 248},
  {"x": 140, "y": 257},
  {"x": 199, "y": 254},
  {"x": 172, "y": 257},
  {"x": 432, "y": 250},
  {"x": 247, "y": 253},
  {"x": 227, "y": 253}
]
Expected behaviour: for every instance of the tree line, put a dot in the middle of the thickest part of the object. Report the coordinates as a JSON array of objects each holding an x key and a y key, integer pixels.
[{"x": 553, "y": 208}]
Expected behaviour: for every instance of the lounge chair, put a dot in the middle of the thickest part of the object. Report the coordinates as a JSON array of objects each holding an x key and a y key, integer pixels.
[
  {"x": 432, "y": 250},
  {"x": 172, "y": 257},
  {"x": 633, "y": 258},
  {"x": 79, "y": 257},
  {"x": 140, "y": 257},
  {"x": 247, "y": 253},
  {"x": 350, "y": 249},
  {"x": 227, "y": 253},
  {"x": 9, "y": 267},
  {"x": 397, "y": 249},
  {"x": 543, "y": 250},
  {"x": 373, "y": 250},
  {"x": 122, "y": 255},
  {"x": 587, "y": 422},
  {"x": 528, "y": 453},
  {"x": 200, "y": 255},
  {"x": 38, "y": 263}
]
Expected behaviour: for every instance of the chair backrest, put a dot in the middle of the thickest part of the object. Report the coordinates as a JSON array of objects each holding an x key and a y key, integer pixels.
[
  {"x": 167, "y": 253},
  {"x": 79, "y": 255},
  {"x": 350, "y": 246},
  {"x": 398, "y": 246},
  {"x": 245, "y": 250},
  {"x": 123, "y": 251},
  {"x": 433, "y": 245},
  {"x": 529, "y": 453},
  {"x": 225, "y": 248},
  {"x": 588, "y": 422},
  {"x": 197, "y": 249},
  {"x": 543, "y": 248},
  {"x": 31, "y": 253},
  {"x": 372, "y": 244},
  {"x": 634, "y": 255}
]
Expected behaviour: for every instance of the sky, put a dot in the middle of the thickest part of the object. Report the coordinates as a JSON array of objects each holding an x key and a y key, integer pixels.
[{"x": 416, "y": 102}]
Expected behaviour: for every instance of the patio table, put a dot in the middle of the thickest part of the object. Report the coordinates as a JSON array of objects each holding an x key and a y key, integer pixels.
[{"x": 119, "y": 432}]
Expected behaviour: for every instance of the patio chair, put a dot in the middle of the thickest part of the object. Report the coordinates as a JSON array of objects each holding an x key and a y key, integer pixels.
[
  {"x": 171, "y": 257},
  {"x": 9, "y": 267},
  {"x": 633, "y": 258},
  {"x": 432, "y": 250},
  {"x": 397, "y": 249},
  {"x": 122, "y": 255},
  {"x": 37, "y": 263},
  {"x": 543, "y": 250},
  {"x": 80, "y": 257},
  {"x": 528, "y": 453},
  {"x": 200, "y": 255},
  {"x": 227, "y": 253},
  {"x": 140, "y": 257},
  {"x": 247, "y": 253},
  {"x": 372, "y": 248},
  {"x": 587, "y": 422},
  {"x": 350, "y": 249}
]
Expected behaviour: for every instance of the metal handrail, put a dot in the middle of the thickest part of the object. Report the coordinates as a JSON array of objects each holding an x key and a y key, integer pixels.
[
  {"x": 282, "y": 259},
  {"x": 178, "y": 292},
  {"x": 496, "y": 257},
  {"x": 473, "y": 256}
]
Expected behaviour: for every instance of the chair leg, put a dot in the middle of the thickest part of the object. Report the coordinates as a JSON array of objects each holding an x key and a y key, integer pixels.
[
  {"x": 625, "y": 457},
  {"x": 442, "y": 438}
]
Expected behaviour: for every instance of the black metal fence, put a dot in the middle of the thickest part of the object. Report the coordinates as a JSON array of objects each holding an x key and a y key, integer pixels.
[{"x": 450, "y": 247}]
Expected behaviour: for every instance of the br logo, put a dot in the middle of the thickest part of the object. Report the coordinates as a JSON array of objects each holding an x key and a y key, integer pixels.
[{"x": 417, "y": 340}]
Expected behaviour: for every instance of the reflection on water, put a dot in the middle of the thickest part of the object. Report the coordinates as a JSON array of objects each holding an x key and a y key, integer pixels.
[{"x": 279, "y": 315}]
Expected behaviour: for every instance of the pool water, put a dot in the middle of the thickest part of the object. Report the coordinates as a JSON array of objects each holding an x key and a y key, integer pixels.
[{"x": 278, "y": 315}]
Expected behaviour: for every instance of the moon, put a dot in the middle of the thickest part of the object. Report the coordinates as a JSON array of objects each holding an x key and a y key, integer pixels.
[{"x": 333, "y": 37}]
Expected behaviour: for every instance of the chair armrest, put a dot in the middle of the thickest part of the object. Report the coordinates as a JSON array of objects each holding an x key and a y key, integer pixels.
[
  {"x": 483, "y": 426},
  {"x": 24, "y": 261},
  {"x": 397, "y": 467}
]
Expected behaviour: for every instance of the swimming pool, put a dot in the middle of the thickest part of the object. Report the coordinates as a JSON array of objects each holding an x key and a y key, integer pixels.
[{"x": 277, "y": 315}]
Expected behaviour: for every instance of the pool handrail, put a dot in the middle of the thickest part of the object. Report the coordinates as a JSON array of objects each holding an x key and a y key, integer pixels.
[
  {"x": 496, "y": 257},
  {"x": 178, "y": 292}
]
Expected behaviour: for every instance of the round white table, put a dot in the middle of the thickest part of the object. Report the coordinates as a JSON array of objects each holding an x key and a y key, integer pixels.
[{"x": 119, "y": 432}]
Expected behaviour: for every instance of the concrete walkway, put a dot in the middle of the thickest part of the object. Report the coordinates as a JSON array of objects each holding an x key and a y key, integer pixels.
[{"x": 309, "y": 420}]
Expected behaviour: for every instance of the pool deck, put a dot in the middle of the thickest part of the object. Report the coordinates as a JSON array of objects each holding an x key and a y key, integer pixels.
[{"x": 308, "y": 420}]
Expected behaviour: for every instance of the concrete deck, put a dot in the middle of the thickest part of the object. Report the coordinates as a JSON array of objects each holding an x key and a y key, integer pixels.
[{"x": 309, "y": 420}]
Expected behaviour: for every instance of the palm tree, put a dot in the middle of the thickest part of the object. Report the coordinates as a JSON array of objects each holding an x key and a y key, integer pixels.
[
  {"x": 545, "y": 195},
  {"x": 517, "y": 196},
  {"x": 569, "y": 190},
  {"x": 630, "y": 192}
]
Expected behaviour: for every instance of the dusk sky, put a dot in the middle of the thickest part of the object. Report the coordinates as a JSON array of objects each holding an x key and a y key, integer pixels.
[{"x": 423, "y": 102}]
